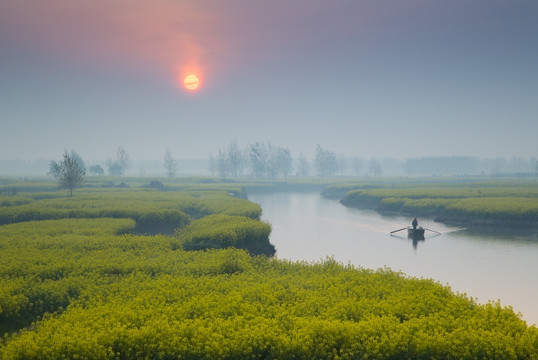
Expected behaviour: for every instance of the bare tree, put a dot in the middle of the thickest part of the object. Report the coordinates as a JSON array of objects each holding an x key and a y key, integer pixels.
[
  {"x": 170, "y": 164},
  {"x": 341, "y": 164},
  {"x": 212, "y": 165},
  {"x": 285, "y": 161},
  {"x": 375, "y": 167},
  {"x": 235, "y": 158},
  {"x": 257, "y": 156},
  {"x": 223, "y": 164},
  {"x": 357, "y": 165},
  {"x": 303, "y": 166},
  {"x": 122, "y": 160},
  {"x": 271, "y": 160},
  {"x": 68, "y": 172},
  {"x": 325, "y": 161},
  {"x": 53, "y": 167}
]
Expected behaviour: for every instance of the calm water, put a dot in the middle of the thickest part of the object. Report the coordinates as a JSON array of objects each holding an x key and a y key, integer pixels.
[{"x": 485, "y": 267}]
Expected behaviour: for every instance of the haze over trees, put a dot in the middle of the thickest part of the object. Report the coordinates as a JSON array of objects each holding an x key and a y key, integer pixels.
[
  {"x": 375, "y": 167},
  {"x": 262, "y": 160},
  {"x": 170, "y": 164},
  {"x": 235, "y": 158},
  {"x": 97, "y": 170},
  {"x": 69, "y": 172},
  {"x": 325, "y": 162},
  {"x": 120, "y": 164},
  {"x": 303, "y": 166}
]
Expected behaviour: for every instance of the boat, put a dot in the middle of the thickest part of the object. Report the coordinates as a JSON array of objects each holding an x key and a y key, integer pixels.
[{"x": 415, "y": 232}]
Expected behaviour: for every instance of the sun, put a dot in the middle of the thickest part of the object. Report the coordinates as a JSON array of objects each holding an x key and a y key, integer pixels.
[{"x": 191, "y": 82}]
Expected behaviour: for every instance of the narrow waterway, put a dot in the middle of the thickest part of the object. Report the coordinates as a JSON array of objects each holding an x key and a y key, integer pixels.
[{"x": 309, "y": 227}]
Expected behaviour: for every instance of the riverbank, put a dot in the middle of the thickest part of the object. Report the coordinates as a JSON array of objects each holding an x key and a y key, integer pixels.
[{"x": 498, "y": 204}]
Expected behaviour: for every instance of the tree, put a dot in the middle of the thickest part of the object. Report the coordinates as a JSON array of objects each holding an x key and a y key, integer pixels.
[
  {"x": 357, "y": 166},
  {"x": 325, "y": 161},
  {"x": 78, "y": 159},
  {"x": 212, "y": 165},
  {"x": 68, "y": 172},
  {"x": 375, "y": 167},
  {"x": 114, "y": 169},
  {"x": 235, "y": 159},
  {"x": 53, "y": 167},
  {"x": 122, "y": 159},
  {"x": 97, "y": 170},
  {"x": 222, "y": 164},
  {"x": 118, "y": 166},
  {"x": 284, "y": 161},
  {"x": 170, "y": 164},
  {"x": 271, "y": 161},
  {"x": 341, "y": 164},
  {"x": 257, "y": 155},
  {"x": 303, "y": 166}
]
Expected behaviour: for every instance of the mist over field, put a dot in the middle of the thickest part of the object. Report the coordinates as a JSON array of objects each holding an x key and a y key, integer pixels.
[
  {"x": 391, "y": 81},
  {"x": 222, "y": 178}
]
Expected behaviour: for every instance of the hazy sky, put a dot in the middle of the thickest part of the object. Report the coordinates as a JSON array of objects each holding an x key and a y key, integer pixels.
[{"x": 360, "y": 77}]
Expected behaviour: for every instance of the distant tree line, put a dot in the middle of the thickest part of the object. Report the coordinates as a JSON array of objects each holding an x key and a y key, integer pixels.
[
  {"x": 264, "y": 160},
  {"x": 469, "y": 165},
  {"x": 259, "y": 160},
  {"x": 116, "y": 166},
  {"x": 267, "y": 161}
]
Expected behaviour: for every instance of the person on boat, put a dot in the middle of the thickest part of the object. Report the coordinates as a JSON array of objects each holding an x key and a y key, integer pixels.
[{"x": 414, "y": 223}]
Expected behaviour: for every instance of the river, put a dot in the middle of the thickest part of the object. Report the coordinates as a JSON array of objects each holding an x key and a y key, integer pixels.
[{"x": 308, "y": 227}]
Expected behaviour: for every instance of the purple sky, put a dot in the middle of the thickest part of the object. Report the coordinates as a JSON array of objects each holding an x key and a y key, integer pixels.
[{"x": 362, "y": 77}]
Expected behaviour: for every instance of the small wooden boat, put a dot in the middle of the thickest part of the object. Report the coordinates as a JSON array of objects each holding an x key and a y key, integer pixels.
[{"x": 416, "y": 233}]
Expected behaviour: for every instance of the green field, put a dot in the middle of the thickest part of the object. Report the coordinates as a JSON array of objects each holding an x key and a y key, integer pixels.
[
  {"x": 102, "y": 276},
  {"x": 503, "y": 203}
]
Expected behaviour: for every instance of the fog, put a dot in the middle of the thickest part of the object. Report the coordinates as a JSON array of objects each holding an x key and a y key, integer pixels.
[
  {"x": 370, "y": 80},
  {"x": 344, "y": 167}
]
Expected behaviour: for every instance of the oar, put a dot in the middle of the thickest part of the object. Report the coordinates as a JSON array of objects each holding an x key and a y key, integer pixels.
[
  {"x": 433, "y": 231},
  {"x": 398, "y": 230}
]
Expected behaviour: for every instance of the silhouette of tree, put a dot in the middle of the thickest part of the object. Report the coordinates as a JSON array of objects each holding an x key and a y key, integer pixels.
[
  {"x": 97, "y": 170},
  {"x": 325, "y": 161},
  {"x": 68, "y": 172},
  {"x": 122, "y": 159},
  {"x": 235, "y": 158},
  {"x": 170, "y": 164},
  {"x": 303, "y": 166}
]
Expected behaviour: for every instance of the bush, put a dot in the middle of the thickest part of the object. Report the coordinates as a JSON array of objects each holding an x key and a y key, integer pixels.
[{"x": 223, "y": 231}]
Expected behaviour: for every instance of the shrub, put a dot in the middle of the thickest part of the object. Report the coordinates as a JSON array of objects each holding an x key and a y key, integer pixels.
[{"x": 223, "y": 231}]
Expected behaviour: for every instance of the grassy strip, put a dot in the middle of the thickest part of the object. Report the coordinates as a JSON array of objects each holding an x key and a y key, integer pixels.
[
  {"x": 154, "y": 211},
  {"x": 474, "y": 204},
  {"x": 224, "y": 231}
]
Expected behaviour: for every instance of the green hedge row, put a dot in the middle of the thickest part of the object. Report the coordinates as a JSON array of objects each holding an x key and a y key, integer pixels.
[
  {"x": 153, "y": 211},
  {"x": 223, "y": 231},
  {"x": 473, "y": 205}
]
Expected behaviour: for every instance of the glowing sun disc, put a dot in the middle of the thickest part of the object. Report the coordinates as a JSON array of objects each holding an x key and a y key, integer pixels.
[{"x": 191, "y": 82}]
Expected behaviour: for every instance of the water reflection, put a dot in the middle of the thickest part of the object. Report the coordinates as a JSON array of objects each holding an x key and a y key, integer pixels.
[
  {"x": 415, "y": 239},
  {"x": 307, "y": 227}
]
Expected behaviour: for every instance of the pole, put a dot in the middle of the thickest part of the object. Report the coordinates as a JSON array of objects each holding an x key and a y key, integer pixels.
[
  {"x": 433, "y": 231},
  {"x": 398, "y": 230}
]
